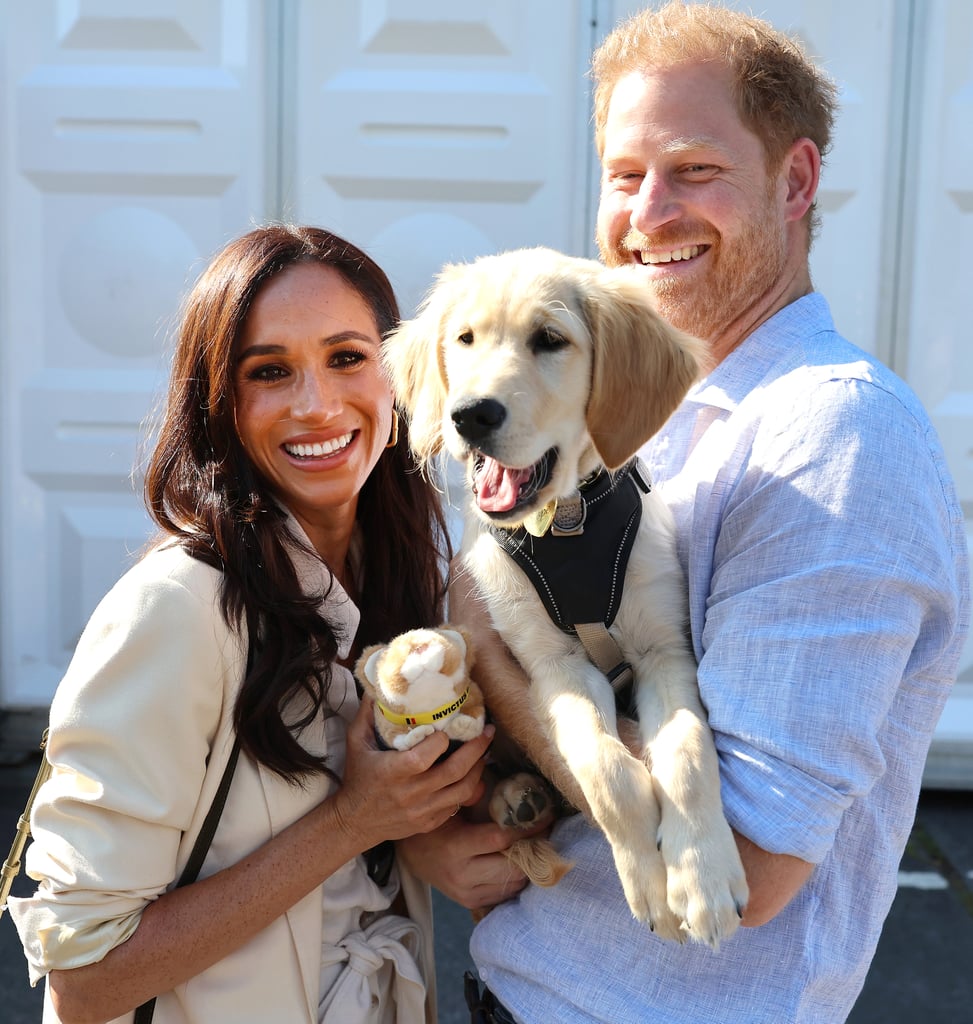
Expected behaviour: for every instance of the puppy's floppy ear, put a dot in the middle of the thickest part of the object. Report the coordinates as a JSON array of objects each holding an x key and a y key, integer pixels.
[
  {"x": 412, "y": 354},
  {"x": 641, "y": 365}
]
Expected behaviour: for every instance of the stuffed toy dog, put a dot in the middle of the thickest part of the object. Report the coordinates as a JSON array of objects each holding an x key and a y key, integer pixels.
[{"x": 420, "y": 682}]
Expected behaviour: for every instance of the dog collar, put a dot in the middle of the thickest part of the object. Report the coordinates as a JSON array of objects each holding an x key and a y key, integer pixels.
[
  {"x": 565, "y": 517},
  {"x": 425, "y": 717}
]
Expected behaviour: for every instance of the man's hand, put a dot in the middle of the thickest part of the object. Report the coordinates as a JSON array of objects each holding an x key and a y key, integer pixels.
[{"x": 465, "y": 862}]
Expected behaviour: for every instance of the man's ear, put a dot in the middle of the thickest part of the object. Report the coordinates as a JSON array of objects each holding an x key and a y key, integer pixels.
[{"x": 801, "y": 170}]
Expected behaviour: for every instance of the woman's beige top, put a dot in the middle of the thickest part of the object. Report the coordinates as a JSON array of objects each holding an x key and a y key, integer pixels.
[{"x": 141, "y": 729}]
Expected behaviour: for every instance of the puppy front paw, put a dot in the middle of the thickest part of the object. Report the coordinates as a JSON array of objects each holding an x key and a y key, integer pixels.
[
  {"x": 643, "y": 876},
  {"x": 707, "y": 887}
]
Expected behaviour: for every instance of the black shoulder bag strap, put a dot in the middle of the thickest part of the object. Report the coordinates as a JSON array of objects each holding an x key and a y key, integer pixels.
[{"x": 143, "y": 1015}]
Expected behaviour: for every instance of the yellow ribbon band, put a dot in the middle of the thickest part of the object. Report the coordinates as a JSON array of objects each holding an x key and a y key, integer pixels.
[{"x": 425, "y": 717}]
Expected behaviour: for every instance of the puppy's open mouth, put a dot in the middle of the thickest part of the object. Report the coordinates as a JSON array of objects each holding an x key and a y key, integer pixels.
[{"x": 503, "y": 490}]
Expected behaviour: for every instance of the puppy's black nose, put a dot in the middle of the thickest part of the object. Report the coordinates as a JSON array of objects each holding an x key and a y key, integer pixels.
[{"x": 477, "y": 419}]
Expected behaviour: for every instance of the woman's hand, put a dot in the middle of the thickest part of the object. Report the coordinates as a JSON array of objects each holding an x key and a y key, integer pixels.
[{"x": 391, "y": 794}]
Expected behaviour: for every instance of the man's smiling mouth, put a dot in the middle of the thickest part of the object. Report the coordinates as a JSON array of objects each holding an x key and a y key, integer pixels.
[{"x": 686, "y": 252}]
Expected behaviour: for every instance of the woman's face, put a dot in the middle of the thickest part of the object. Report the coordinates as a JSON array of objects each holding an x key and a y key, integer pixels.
[{"x": 313, "y": 408}]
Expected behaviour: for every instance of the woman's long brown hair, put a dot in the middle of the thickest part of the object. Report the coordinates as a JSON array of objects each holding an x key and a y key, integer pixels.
[{"x": 201, "y": 488}]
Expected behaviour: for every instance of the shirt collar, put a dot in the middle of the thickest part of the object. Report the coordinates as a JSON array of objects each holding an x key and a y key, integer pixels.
[
  {"x": 748, "y": 364},
  {"x": 316, "y": 579}
]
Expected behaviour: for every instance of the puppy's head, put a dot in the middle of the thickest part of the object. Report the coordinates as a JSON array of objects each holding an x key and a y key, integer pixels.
[{"x": 533, "y": 368}]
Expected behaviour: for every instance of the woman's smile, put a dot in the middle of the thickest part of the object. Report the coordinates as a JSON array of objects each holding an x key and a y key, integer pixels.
[{"x": 306, "y": 451}]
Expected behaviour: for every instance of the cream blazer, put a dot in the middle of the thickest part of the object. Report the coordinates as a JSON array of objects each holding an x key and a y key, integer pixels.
[{"x": 141, "y": 730}]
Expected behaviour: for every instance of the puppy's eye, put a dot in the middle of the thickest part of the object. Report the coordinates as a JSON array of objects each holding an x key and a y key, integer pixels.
[
  {"x": 546, "y": 339},
  {"x": 466, "y": 338}
]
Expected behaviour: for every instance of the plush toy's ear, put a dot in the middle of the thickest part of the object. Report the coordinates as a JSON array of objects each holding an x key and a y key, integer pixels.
[
  {"x": 460, "y": 636},
  {"x": 366, "y": 668},
  {"x": 641, "y": 365}
]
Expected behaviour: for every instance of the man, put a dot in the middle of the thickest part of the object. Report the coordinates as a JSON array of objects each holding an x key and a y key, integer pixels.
[{"x": 823, "y": 547}]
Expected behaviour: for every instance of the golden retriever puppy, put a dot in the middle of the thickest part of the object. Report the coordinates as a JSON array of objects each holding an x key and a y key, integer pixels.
[{"x": 544, "y": 374}]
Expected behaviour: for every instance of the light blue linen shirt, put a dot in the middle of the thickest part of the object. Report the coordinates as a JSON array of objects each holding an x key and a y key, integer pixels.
[{"x": 829, "y": 597}]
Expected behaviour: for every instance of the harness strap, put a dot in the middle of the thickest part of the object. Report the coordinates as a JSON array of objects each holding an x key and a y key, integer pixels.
[
  {"x": 605, "y": 654},
  {"x": 578, "y": 565}
]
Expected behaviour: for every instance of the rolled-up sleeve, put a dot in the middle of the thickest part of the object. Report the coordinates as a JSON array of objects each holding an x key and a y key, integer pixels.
[
  {"x": 833, "y": 585},
  {"x": 131, "y": 728}
]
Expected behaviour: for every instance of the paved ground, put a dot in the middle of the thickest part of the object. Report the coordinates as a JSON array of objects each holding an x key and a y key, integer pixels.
[{"x": 922, "y": 971}]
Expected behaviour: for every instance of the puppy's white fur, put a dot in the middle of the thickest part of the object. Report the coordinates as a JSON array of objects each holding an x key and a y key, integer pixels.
[{"x": 578, "y": 361}]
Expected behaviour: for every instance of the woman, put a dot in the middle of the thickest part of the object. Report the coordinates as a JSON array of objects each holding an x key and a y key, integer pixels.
[{"x": 295, "y": 530}]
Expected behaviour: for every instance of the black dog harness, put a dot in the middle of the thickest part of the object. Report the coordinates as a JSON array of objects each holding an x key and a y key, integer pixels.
[{"x": 578, "y": 566}]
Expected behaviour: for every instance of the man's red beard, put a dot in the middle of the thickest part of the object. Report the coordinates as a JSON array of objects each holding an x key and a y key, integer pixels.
[{"x": 738, "y": 276}]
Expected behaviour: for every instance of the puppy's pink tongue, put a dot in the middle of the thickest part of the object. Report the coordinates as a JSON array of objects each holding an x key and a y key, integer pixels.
[{"x": 497, "y": 486}]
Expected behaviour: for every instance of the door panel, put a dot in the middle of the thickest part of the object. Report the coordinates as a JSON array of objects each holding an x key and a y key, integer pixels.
[
  {"x": 935, "y": 353},
  {"x": 430, "y": 131},
  {"x": 135, "y": 142}
]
